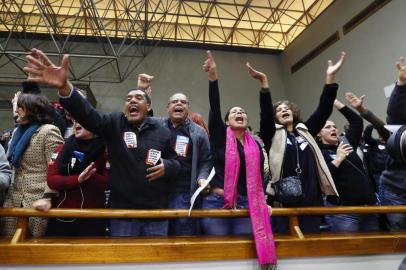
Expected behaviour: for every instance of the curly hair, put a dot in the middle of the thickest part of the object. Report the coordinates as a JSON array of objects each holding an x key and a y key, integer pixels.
[
  {"x": 37, "y": 107},
  {"x": 293, "y": 107}
]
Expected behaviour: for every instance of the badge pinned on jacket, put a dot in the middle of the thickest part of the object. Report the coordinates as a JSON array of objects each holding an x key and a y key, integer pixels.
[
  {"x": 130, "y": 139},
  {"x": 153, "y": 156}
]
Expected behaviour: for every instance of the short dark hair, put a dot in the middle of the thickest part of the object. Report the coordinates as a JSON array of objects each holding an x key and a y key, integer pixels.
[
  {"x": 147, "y": 97},
  {"x": 37, "y": 108}
]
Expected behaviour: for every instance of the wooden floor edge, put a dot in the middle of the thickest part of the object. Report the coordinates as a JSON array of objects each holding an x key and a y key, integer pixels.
[{"x": 133, "y": 252}]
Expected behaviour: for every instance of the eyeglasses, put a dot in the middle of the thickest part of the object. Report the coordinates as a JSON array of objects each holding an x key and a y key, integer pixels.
[{"x": 183, "y": 101}]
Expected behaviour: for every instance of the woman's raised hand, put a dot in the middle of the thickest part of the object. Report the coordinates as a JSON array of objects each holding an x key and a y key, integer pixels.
[
  {"x": 402, "y": 71},
  {"x": 258, "y": 75},
  {"x": 356, "y": 102},
  {"x": 209, "y": 66},
  {"x": 332, "y": 69}
]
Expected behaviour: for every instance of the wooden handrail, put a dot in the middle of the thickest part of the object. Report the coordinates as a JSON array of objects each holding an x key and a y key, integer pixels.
[
  {"x": 47, "y": 250},
  {"x": 198, "y": 213}
]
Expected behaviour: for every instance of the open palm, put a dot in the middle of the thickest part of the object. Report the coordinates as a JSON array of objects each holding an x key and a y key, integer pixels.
[
  {"x": 255, "y": 73},
  {"x": 333, "y": 68},
  {"x": 353, "y": 100},
  {"x": 42, "y": 70}
]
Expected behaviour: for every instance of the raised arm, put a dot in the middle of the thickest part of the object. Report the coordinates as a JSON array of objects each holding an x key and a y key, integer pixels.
[
  {"x": 267, "y": 121},
  {"x": 396, "y": 112},
  {"x": 367, "y": 136},
  {"x": 358, "y": 104},
  {"x": 42, "y": 70},
  {"x": 354, "y": 132},
  {"x": 145, "y": 83},
  {"x": 324, "y": 109},
  {"x": 332, "y": 69},
  {"x": 217, "y": 127}
]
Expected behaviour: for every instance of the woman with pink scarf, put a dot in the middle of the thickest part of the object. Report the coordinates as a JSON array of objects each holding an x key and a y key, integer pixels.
[{"x": 238, "y": 181}]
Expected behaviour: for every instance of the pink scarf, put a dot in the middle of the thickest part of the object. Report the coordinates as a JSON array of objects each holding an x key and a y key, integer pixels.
[{"x": 258, "y": 208}]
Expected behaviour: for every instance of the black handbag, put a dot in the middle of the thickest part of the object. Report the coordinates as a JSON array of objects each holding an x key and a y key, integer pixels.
[{"x": 288, "y": 190}]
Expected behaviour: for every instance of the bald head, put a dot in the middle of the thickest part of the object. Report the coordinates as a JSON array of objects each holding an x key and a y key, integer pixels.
[
  {"x": 178, "y": 108},
  {"x": 177, "y": 96}
]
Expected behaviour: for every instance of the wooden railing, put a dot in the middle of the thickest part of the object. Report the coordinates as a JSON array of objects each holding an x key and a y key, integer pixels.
[{"x": 21, "y": 247}]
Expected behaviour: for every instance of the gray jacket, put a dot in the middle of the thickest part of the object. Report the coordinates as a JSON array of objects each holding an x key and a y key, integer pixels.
[
  {"x": 5, "y": 174},
  {"x": 201, "y": 159}
]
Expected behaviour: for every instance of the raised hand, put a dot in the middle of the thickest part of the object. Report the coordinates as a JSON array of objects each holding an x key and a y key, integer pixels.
[
  {"x": 15, "y": 98},
  {"x": 144, "y": 81},
  {"x": 402, "y": 71},
  {"x": 41, "y": 70},
  {"x": 332, "y": 69},
  {"x": 258, "y": 75},
  {"x": 355, "y": 102},
  {"x": 87, "y": 173},
  {"x": 210, "y": 67},
  {"x": 14, "y": 102}
]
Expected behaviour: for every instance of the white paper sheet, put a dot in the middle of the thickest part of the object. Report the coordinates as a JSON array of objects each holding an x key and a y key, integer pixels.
[{"x": 197, "y": 192}]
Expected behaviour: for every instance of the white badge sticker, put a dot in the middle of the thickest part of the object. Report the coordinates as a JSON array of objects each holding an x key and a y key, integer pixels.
[
  {"x": 72, "y": 162},
  {"x": 381, "y": 147},
  {"x": 182, "y": 145},
  {"x": 288, "y": 141},
  {"x": 153, "y": 156},
  {"x": 130, "y": 139},
  {"x": 300, "y": 139},
  {"x": 303, "y": 145},
  {"x": 333, "y": 156},
  {"x": 54, "y": 156}
]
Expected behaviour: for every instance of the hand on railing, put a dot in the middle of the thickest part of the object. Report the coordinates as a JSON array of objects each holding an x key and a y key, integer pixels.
[{"x": 43, "y": 204}]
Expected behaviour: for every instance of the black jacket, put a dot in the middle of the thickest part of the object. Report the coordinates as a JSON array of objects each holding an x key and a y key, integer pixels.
[
  {"x": 129, "y": 186},
  {"x": 375, "y": 154},
  {"x": 307, "y": 158},
  {"x": 350, "y": 178},
  {"x": 394, "y": 176},
  {"x": 218, "y": 130}
]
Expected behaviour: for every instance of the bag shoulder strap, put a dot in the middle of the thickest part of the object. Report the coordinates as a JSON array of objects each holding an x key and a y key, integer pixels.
[{"x": 298, "y": 169}]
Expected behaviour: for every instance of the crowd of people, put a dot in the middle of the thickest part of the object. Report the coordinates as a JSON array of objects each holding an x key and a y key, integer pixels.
[{"x": 147, "y": 162}]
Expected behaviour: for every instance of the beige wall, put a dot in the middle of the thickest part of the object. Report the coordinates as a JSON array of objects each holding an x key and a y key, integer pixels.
[
  {"x": 180, "y": 70},
  {"x": 372, "y": 49}
]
